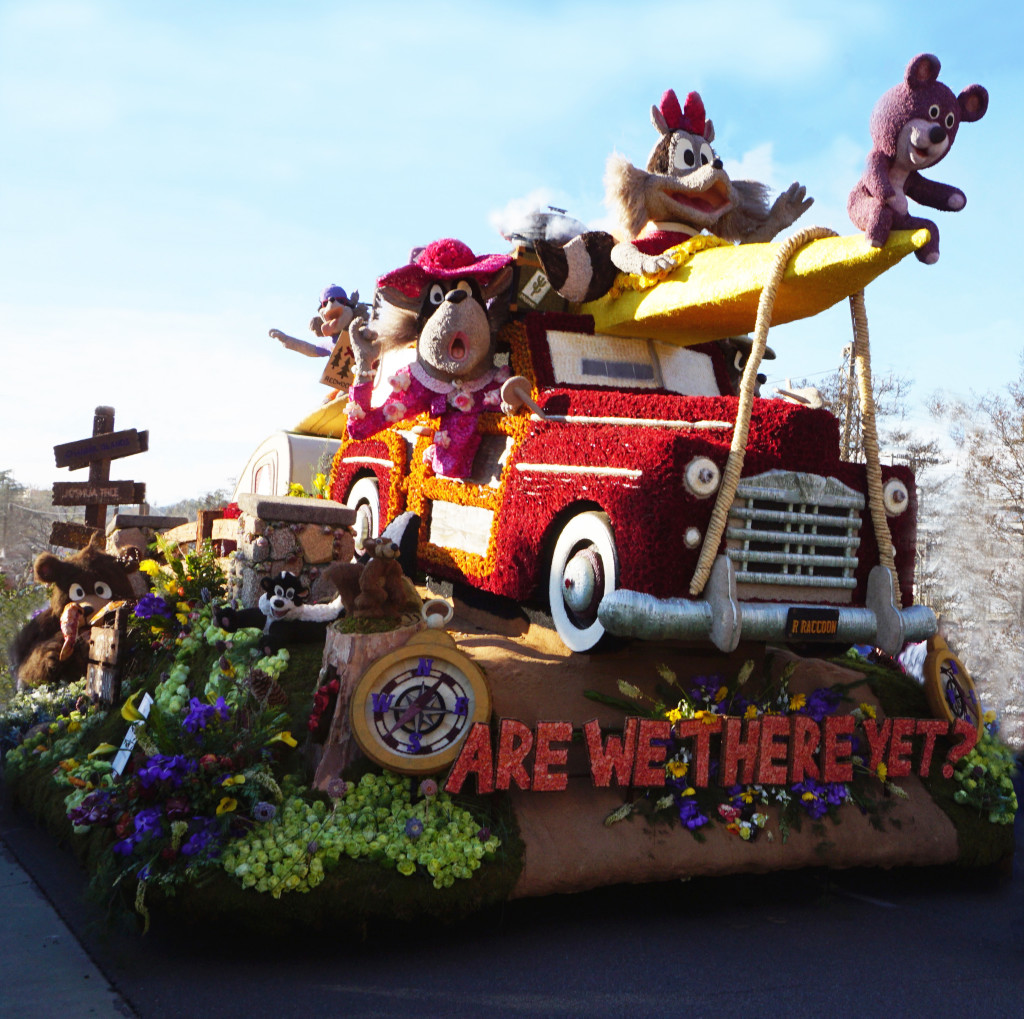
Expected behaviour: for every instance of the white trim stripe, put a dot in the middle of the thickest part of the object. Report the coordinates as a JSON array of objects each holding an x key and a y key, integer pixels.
[
  {"x": 367, "y": 460},
  {"x": 573, "y": 419},
  {"x": 614, "y": 472}
]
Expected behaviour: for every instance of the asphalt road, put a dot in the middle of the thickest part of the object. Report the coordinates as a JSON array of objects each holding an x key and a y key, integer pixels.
[{"x": 809, "y": 943}]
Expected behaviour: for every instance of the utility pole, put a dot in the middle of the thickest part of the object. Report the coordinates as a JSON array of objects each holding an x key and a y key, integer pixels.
[{"x": 846, "y": 369}]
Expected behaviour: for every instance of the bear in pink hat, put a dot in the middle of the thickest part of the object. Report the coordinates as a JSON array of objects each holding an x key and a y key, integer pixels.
[{"x": 450, "y": 292}]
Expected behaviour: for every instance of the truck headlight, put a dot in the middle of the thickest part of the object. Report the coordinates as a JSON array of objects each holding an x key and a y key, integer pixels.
[
  {"x": 702, "y": 476},
  {"x": 895, "y": 497}
]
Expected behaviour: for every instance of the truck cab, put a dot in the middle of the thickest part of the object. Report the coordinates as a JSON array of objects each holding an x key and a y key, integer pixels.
[{"x": 599, "y": 506}]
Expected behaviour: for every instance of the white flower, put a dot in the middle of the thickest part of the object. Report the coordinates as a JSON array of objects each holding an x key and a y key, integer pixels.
[
  {"x": 442, "y": 439},
  {"x": 462, "y": 401},
  {"x": 492, "y": 398},
  {"x": 354, "y": 411},
  {"x": 394, "y": 410},
  {"x": 399, "y": 382}
]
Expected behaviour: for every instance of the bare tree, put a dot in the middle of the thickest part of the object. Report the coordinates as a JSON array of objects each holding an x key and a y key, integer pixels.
[{"x": 979, "y": 549}]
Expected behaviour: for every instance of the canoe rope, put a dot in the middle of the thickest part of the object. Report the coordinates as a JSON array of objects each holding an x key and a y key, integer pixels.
[{"x": 748, "y": 384}]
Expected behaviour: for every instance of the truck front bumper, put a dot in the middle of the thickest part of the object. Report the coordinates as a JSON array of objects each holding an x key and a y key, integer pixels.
[{"x": 720, "y": 617}]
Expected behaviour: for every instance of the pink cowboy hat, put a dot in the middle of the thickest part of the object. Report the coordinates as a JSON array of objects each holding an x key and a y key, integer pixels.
[{"x": 441, "y": 260}]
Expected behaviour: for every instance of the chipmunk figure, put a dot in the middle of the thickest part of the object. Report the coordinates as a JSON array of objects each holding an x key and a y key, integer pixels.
[{"x": 684, "y": 190}]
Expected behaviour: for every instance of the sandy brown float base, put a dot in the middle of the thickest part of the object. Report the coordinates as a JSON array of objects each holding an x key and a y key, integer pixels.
[{"x": 568, "y": 848}]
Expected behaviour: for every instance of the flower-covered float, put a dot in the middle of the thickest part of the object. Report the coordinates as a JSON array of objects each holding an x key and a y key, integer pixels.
[{"x": 575, "y": 423}]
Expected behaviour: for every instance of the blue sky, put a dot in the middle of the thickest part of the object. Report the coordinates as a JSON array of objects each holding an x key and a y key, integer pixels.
[{"x": 177, "y": 179}]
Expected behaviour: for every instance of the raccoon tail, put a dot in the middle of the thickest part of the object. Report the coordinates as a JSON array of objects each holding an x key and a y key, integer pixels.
[
  {"x": 581, "y": 270},
  {"x": 319, "y": 613}
]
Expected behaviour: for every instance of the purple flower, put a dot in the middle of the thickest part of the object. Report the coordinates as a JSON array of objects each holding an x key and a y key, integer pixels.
[
  {"x": 337, "y": 788},
  {"x": 483, "y": 834},
  {"x": 264, "y": 811},
  {"x": 204, "y": 841},
  {"x": 820, "y": 703},
  {"x": 97, "y": 808},
  {"x": 706, "y": 687},
  {"x": 816, "y": 797},
  {"x": 150, "y": 605},
  {"x": 414, "y": 827},
  {"x": 200, "y": 715},
  {"x": 690, "y": 813},
  {"x": 164, "y": 768},
  {"x": 428, "y": 788}
]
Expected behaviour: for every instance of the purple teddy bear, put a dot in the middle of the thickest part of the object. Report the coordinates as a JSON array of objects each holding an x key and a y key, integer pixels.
[{"x": 912, "y": 127}]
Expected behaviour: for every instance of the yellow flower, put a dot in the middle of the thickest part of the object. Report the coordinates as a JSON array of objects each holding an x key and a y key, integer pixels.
[
  {"x": 234, "y": 780},
  {"x": 747, "y": 796},
  {"x": 881, "y": 771},
  {"x": 869, "y": 710},
  {"x": 990, "y": 717},
  {"x": 707, "y": 717},
  {"x": 689, "y": 791},
  {"x": 68, "y": 764},
  {"x": 673, "y": 715},
  {"x": 284, "y": 737},
  {"x": 150, "y": 567},
  {"x": 129, "y": 712},
  {"x": 677, "y": 768},
  {"x": 797, "y": 702},
  {"x": 296, "y": 489},
  {"x": 103, "y": 748},
  {"x": 751, "y": 711},
  {"x": 74, "y": 725},
  {"x": 807, "y": 797},
  {"x": 226, "y": 805},
  {"x": 723, "y": 692}
]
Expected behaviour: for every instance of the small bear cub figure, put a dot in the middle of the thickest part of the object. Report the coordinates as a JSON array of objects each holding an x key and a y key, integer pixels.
[{"x": 913, "y": 126}]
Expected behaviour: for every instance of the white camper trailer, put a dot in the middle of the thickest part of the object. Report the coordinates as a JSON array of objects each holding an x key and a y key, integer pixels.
[{"x": 285, "y": 458}]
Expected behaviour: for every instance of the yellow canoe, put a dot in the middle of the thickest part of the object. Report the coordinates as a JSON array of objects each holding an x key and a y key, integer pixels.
[
  {"x": 715, "y": 291},
  {"x": 328, "y": 420}
]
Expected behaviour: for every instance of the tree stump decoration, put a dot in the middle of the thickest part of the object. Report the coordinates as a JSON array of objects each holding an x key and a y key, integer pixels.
[{"x": 350, "y": 654}]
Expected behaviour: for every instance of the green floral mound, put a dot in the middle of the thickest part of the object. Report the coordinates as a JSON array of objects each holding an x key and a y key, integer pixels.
[
  {"x": 376, "y": 820},
  {"x": 213, "y": 806}
]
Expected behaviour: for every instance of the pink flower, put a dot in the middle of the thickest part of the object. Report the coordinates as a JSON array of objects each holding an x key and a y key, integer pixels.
[
  {"x": 394, "y": 410},
  {"x": 442, "y": 439},
  {"x": 492, "y": 398},
  {"x": 399, "y": 382},
  {"x": 354, "y": 411},
  {"x": 462, "y": 401}
]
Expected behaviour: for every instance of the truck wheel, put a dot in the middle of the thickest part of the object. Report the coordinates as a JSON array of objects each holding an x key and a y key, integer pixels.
[
  {"x": 364, "y": 498},
  {"x": 584, "y": 568}
]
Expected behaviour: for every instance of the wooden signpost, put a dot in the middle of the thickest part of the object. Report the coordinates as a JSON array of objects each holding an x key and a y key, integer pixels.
[
  {"x": 106, "y": 639},
  {"x": 99, "y": 491}
]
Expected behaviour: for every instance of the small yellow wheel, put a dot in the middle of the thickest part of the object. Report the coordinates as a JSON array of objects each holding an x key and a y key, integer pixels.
[{"x": 948, "y": 686}]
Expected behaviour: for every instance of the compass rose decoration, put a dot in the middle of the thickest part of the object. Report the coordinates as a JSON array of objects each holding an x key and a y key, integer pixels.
[
  {"x": 948, "y": 686},
  {"x": 414, "y": 706}
]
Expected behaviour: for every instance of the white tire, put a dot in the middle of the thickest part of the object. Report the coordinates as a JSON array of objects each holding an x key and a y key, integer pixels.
[
  {"x": 364, "y": 498},
  {"x": 584, "y": 568}
]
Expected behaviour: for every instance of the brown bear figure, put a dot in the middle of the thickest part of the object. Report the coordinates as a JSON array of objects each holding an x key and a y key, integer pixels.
[
  {"x": 53, "y": 647},
  {"x": 378, "y": 588}
]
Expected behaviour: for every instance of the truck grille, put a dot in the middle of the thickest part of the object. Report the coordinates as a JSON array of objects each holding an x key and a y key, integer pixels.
[{"x": 797, "y": 530}]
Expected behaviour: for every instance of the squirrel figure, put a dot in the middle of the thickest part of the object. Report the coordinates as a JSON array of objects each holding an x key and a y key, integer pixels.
[{"x": 684, "y": 190}]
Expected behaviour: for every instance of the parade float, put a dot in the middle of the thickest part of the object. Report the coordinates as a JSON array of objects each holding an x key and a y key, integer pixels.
[{"x": 575, "y": 606}]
